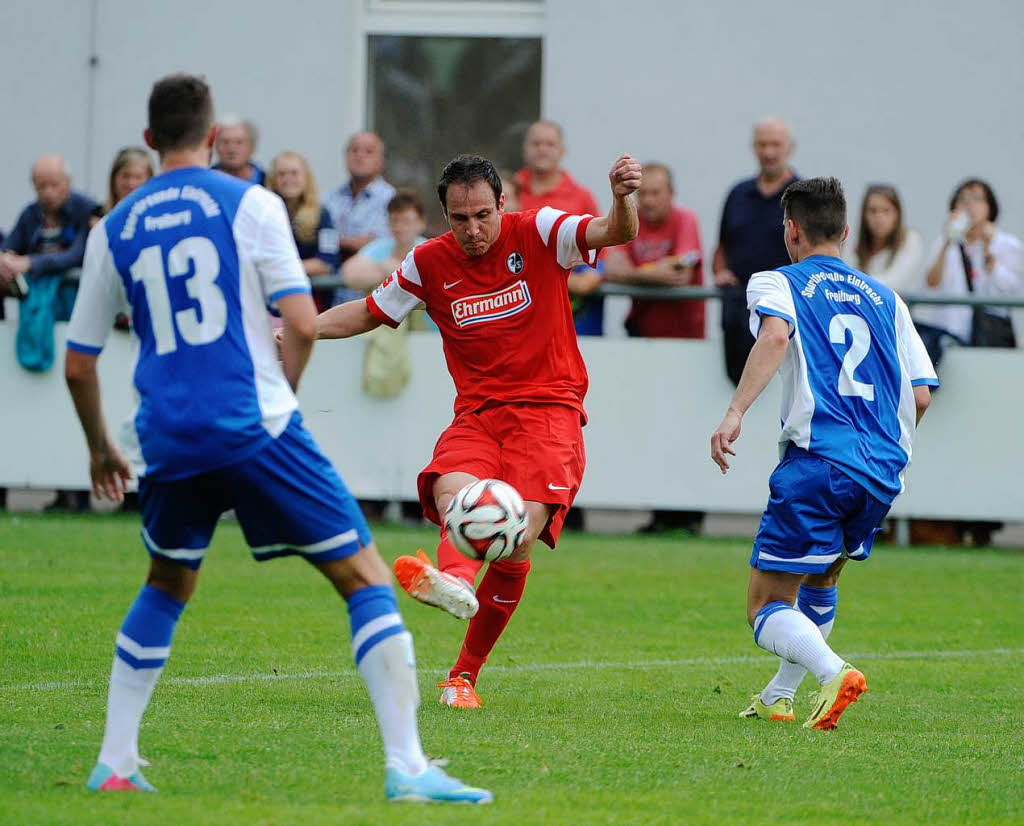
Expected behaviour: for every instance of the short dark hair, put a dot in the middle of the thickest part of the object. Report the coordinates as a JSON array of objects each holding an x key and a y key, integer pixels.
[
  {"x": 990, "y": 196},
  {"x": 180, "y": 112},
  {"x": 818, "y": 206},
  {"x": 467, "y": 170},
  {"x": 406, "y": 199}
]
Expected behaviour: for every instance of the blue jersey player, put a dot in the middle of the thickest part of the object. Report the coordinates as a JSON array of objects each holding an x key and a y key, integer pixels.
[
  {"x": 196, "y": 256},
  {"x": 855, "y": 383}
]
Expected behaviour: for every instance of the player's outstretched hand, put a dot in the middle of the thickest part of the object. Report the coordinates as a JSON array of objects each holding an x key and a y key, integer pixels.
[
  {"x": 723, "y": 438},
  {"x": 625, "y": 176},
  {"x": 110, "y": 474}
]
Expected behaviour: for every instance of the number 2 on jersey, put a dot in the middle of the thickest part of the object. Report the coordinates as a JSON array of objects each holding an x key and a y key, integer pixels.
[
  {"x": 861, "y": 343},
  {"x": 149, "y": 270}
]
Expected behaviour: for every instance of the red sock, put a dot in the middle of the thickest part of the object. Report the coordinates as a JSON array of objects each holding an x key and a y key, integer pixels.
[
  {"x": 450, "y": 561},
  {"x": 499, "y": 594}
]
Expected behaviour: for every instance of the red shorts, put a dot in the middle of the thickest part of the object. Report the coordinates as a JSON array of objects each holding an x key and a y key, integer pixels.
[{"x": 536, "y": 448}]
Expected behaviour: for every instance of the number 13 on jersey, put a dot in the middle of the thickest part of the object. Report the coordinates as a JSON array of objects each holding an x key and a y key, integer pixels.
[{"x": 196, "y": 328}]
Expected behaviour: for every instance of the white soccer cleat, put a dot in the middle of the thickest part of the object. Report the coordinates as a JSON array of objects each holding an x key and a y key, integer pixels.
[{"x": 423, "y": 582}]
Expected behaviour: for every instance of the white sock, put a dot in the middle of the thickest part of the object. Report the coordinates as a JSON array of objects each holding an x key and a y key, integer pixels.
[
  {"x": 389, "y": 671},
  {"x": 818, "y": 604},
  {"x": 130, "y": 690},
  {"x": 783, "y": 630}
]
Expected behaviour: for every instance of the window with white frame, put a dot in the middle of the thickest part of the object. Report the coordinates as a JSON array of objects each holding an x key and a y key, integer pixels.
[{"x": 443, "y": 78}]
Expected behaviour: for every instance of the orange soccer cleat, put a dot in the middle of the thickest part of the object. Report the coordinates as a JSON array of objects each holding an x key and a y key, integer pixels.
[
  {"x": 458, "y": 692},
  {"x": 423, "y": 582},
  {"x": 833, "y": 698}
]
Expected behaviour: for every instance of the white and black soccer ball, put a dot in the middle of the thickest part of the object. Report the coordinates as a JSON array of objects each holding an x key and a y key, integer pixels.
[{"x": 486, "y": 520}]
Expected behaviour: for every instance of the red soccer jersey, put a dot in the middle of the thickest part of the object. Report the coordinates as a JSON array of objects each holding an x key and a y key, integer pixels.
[{"x": 504, "y": 316}]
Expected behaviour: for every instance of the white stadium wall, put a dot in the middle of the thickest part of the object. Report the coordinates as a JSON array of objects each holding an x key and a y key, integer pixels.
[
  {"x": 652, "y": 405},
  {"x": 917, "y": 94}
]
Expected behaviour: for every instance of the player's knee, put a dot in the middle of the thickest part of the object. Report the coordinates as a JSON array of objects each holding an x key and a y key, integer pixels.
[
  {"x": 360, "y": 570},
  {"x": 825, "y": 580},
  {"x": 172, "y": 578},
  {"x": 523, "y": 551},
  {"x": 442, "y": 501}
]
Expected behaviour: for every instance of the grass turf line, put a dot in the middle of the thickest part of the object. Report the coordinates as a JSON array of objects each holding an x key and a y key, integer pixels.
[{"x": 935, "y": 740}]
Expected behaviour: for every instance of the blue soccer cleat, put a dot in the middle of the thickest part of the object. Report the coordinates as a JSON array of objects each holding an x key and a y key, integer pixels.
[
  {"x": 430, "y": 786},
  {"x": 103, "y": 779}
]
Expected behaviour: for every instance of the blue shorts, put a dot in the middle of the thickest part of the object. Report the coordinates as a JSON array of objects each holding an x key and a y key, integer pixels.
[
  {"x": 288, "y": 498},
  {"x": 815, "y": 514}
]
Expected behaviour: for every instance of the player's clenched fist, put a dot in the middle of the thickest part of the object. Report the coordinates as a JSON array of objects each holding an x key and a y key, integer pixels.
[{"x": 625, "y": 176}]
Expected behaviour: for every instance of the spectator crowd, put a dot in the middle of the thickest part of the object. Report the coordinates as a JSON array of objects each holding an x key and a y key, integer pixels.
[{"x": 362, "y": 228}]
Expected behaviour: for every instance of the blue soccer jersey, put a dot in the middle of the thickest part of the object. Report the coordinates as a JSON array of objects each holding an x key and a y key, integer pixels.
[
  {"x": 196, "y": 257},
  {"x": 849, "y": 374}
]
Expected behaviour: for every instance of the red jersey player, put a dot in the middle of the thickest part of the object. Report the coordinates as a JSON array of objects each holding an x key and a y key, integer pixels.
[{"x": 495, "y": 285}]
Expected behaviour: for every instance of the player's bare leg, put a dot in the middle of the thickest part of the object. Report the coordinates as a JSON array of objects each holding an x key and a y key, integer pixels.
[
  {"x": 499, "y": 594},
  {"x": 449, "y": 584},
  {"x": 782, "y": 629},
  {"x": 142, "y": 648}
]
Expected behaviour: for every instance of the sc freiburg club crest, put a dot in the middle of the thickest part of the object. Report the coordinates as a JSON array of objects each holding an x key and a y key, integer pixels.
[{"x": 514, "y": 262}]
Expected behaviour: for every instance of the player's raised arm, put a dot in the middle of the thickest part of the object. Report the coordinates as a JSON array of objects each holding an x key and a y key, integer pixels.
[{"x": 620, "y": 225}]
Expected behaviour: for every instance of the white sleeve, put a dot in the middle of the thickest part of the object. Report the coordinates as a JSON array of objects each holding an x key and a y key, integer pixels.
[
  {"x": 398, "y": 294},
  {"x": 566, "y": 236},
  {"x": 1009, "y": 269},
  {"x": 768, "y": 293},
  {"x": 263, "y": 227},
  {"x": 912, "y": 351},
  {"x": 904, "y": 274},
  {"x": 100, "y": 296}
]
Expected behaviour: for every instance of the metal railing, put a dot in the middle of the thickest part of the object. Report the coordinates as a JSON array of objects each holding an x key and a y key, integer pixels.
[
  {"x": 328, "y": 282},
  {"x": 690, "y": 293}
]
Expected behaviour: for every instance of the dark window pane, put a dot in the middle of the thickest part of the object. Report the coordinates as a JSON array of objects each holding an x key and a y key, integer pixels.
[{"x": 432, "y": 98}]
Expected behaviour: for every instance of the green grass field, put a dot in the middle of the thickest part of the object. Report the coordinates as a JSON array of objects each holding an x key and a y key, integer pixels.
[{"x": 612, "y": 698}]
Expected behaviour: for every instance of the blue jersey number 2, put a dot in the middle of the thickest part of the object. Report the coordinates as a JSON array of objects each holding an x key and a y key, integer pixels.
[
  {"x": 201, "y": 285},
  {"x": 860, "y": 334}
]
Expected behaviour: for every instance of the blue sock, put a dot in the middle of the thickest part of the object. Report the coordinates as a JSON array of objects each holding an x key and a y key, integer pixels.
[
  {"x": 144, "y": 640},
  {"x": 819, "y": 606},
  {"x": 383, "y": 652},
  {"x": 141, "y": 650},
  {"x": 373, "y": 615}
]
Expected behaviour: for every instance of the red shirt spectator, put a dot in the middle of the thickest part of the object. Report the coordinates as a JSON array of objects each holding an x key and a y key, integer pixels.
[
  {"x": 542, "y": 182},
  {"x": 566, "y": 195},
  {"x": 666, "y": 252}
]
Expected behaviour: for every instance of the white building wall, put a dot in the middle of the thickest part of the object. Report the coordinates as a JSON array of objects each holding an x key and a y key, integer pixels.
[
  {"x": 285, "y": 66},
  {"x": 917, "y": 94}
]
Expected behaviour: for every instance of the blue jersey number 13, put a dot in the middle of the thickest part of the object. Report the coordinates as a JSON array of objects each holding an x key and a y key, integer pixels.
[{"x": 149, "y": 269}]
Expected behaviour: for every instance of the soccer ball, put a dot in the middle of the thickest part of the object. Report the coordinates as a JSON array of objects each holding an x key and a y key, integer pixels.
[{"x": 486, "y": 520}]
